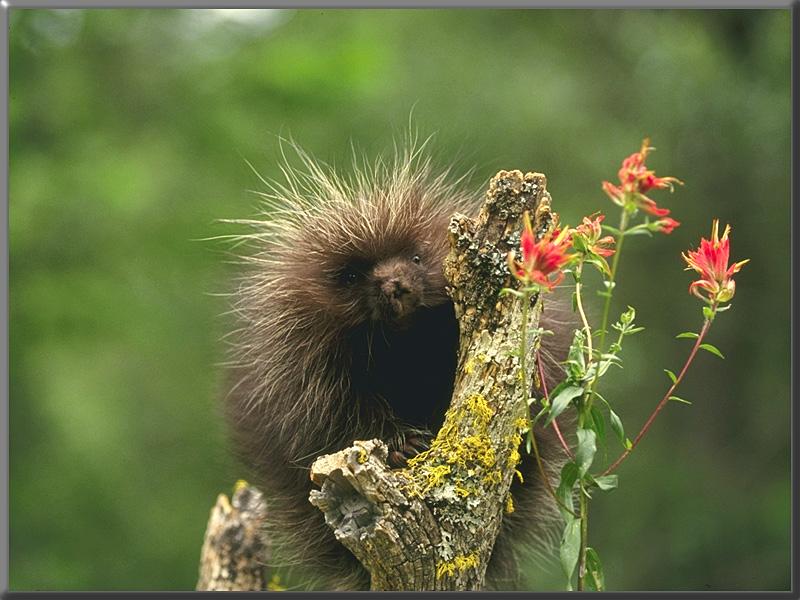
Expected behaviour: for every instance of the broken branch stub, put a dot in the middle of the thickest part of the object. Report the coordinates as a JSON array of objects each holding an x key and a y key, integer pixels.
[
  {"x": 234, "y": 552},
  {"x": 433, "y": 525}
]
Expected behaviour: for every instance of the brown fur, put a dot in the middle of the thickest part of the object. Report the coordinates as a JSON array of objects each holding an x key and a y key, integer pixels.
[{"x": 346, "y": 332}]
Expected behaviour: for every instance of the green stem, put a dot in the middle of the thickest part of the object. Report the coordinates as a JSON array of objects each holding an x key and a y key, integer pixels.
[
  {"x": 623, "y": 225},
  {"x": 584, "y": 411},
  {"x": 586, "y": 329},
  {"x": 584, "y": 516}
]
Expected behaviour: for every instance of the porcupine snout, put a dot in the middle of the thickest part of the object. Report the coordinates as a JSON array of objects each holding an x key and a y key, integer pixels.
[{"x": 398, "y": 288}]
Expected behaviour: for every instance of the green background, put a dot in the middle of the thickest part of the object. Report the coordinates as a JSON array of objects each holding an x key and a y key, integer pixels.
[{"x": 130, "y": 132}]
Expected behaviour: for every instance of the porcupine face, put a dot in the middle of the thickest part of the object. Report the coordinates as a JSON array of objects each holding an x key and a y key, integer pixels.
[{"x": 383, "y": 271}]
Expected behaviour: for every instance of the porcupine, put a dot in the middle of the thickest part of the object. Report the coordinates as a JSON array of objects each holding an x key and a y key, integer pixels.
[{"x": 346, "y": 332}]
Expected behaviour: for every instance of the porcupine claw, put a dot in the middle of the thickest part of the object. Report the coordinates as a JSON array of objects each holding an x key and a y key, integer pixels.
[{"x": 404, "y": 447}]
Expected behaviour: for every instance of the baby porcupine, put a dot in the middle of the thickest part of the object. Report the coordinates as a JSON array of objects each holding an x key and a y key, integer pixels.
[{"x": 346, "y": 333}]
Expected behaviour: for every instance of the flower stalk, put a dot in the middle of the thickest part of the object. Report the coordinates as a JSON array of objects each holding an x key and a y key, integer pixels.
[{"x": 542, "y": 267}]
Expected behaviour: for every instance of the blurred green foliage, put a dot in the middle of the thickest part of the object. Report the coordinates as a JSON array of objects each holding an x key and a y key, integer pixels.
[{"x": 130, "y": 132}]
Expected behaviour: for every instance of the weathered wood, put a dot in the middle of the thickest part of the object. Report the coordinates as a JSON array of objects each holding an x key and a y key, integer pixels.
[
  {"x": 234, "y": 552},
  {"x": 433, "y": 525}
]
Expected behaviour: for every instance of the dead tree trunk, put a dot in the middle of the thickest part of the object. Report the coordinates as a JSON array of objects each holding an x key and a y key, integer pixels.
[
  {"x": 234, "y": 553},
  {"x": 433, "y": 525}
]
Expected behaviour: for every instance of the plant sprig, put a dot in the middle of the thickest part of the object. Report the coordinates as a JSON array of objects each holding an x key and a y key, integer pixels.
[{"x": 543, "y": 265}]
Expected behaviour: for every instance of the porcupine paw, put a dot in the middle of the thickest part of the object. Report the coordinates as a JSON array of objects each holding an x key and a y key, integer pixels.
[{"x": 406, "y": 445}]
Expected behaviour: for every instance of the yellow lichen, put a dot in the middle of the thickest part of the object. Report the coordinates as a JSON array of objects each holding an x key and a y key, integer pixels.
[
  {"x": 521, "y": 424},
  {"x": 433, "y": 476},
  {"x": 274, "y": 584},
  {"x": 362, "y": 456},
  {"x": 239, "y": 485},
  {"x": 463, "y": 492},
  {"x": 472, "y": 456},
  {"x": 474, "y": 447},
  {"x": 492, "y": 477},
  {"x": 478, "y": 405},
  {"x": 459, "y": 564},
  {"x": 509, "y": 505}
]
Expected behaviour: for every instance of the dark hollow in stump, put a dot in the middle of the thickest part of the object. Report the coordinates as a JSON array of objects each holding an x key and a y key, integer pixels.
[{"x": 432, "y": 526}]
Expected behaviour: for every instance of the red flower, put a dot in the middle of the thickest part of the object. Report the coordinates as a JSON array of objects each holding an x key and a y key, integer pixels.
[
  {"x": 666, "y": 225},
  {"x": 635, "y": 180},
  {"x": 589, "y": 232},
  {"x": 710, "y": 260},
  {"x": 540, "y": 259}
]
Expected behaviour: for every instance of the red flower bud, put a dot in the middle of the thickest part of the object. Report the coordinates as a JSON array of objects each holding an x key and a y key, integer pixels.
[
  {"x": 666, "y": 225},
  {"x": 590, "y": 231}
]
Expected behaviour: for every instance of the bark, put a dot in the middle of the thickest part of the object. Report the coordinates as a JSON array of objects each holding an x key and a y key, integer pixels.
[
  {"x": 433, "y": 525},
  {"x": 234, "y": 552}
]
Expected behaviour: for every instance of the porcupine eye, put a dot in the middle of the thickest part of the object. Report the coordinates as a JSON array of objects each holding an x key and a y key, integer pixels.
[
  {"x": 416, "y": 259},
  {"x": 348, "y": 277},
  {"x": 351, "y": 273}
]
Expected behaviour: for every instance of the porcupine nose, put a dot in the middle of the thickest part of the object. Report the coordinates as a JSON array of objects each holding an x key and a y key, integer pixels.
[{"x": 394, "y": 288}]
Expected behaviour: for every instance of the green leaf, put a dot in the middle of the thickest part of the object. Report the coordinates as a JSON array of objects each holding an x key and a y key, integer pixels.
[
  {"x": 584, "y": 453},
  {"x": 606, "y": 482},
  {"x": 708, "y": 313},
  {"x": 599, "y": 263},
  {"x": 671, "y": 375},
  {"x": 681, "y": 400},
  {"x": 599, "y": 422},
  {"x": 557, "y": 390},
  {"x": 576, "y": 348},
  {"x": 561, "y": 401},
  {"x": 611, "y": 229},
  {"x": 616, "y": 425},
  {"x": 628, "y": 316},
  {"x": 570, "y": 548},
  {"x": 569, "y": 475},
  {"x": 628, "y": 444},
  {"x": 712, "y": 349},
  {"x": 594, "y": 569},
  {"x": 687, "y": 334},
  {"x": 633, "y": 330},
  {"x": 603, "y": 365}
]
